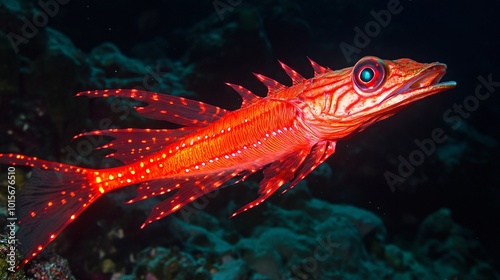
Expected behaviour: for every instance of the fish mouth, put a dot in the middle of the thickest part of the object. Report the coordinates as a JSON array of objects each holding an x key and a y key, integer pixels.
[
  {"x": 425, "y": 83},
  {"x": 431, "y": 77}
]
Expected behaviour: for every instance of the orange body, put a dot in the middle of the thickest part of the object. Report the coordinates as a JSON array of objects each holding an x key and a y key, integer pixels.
[
  {"x": 247, "y": 139},
  {"x": 288, "y": 134}
]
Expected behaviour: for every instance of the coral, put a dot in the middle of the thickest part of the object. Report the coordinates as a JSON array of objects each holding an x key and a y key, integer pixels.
[
  {"x": 168, "y": 264},
  {"x": 54, "y": 267},
  {"x": 5, "y": 273},
  {"x": 233, "y": 269}
]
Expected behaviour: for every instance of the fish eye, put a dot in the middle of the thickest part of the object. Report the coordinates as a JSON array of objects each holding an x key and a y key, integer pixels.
[{"x": 368, "y": 74}]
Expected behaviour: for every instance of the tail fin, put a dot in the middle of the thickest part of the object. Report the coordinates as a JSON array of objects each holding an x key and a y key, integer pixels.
[{"x": 53, "y": 197}]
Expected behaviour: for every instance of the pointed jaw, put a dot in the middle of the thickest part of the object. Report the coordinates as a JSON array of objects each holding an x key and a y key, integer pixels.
[{"x": 425, "y": 83}]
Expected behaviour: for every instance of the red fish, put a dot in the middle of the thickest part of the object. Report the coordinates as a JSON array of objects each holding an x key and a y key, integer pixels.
[{"x": 288, "y": 134}]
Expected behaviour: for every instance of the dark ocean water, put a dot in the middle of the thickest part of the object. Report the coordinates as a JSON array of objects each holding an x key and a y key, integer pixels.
[{"x": 444, "y": 212}]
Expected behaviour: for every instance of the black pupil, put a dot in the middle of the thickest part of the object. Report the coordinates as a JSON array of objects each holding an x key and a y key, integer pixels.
[{"x": 366, "y": 75}]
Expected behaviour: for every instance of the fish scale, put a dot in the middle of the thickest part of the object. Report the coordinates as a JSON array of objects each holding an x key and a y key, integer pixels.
[{"x": 287, "y": 134}]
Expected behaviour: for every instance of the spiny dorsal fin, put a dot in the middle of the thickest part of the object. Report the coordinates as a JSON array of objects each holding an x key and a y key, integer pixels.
[
  {"x": 318, "y": 69},
  {"x": 296, "y": 77},
  {"x": 271, "y": 84},
  {"x": 247, "y": 96}
]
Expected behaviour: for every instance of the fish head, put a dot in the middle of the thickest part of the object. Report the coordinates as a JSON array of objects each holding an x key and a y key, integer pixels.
[{"x": 351, "y": 99}]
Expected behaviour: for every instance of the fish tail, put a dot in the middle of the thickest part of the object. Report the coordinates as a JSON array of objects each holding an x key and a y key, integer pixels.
[{"x": 51, "y": 199}]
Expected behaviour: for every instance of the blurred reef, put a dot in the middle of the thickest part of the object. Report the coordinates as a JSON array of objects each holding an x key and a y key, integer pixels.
[{"x": 341, "y": 222}]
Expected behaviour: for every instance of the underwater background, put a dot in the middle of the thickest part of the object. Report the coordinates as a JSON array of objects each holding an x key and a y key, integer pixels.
[{"x": 438, "y": 220}]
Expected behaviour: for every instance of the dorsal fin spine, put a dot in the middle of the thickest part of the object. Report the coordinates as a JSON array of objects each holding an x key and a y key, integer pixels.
[
  {"x": 318, "y": 69},
  {"x": 247, "y": 95},
  {"x": 271, "y": 84},
  {"x": 294, "y": 75}
]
